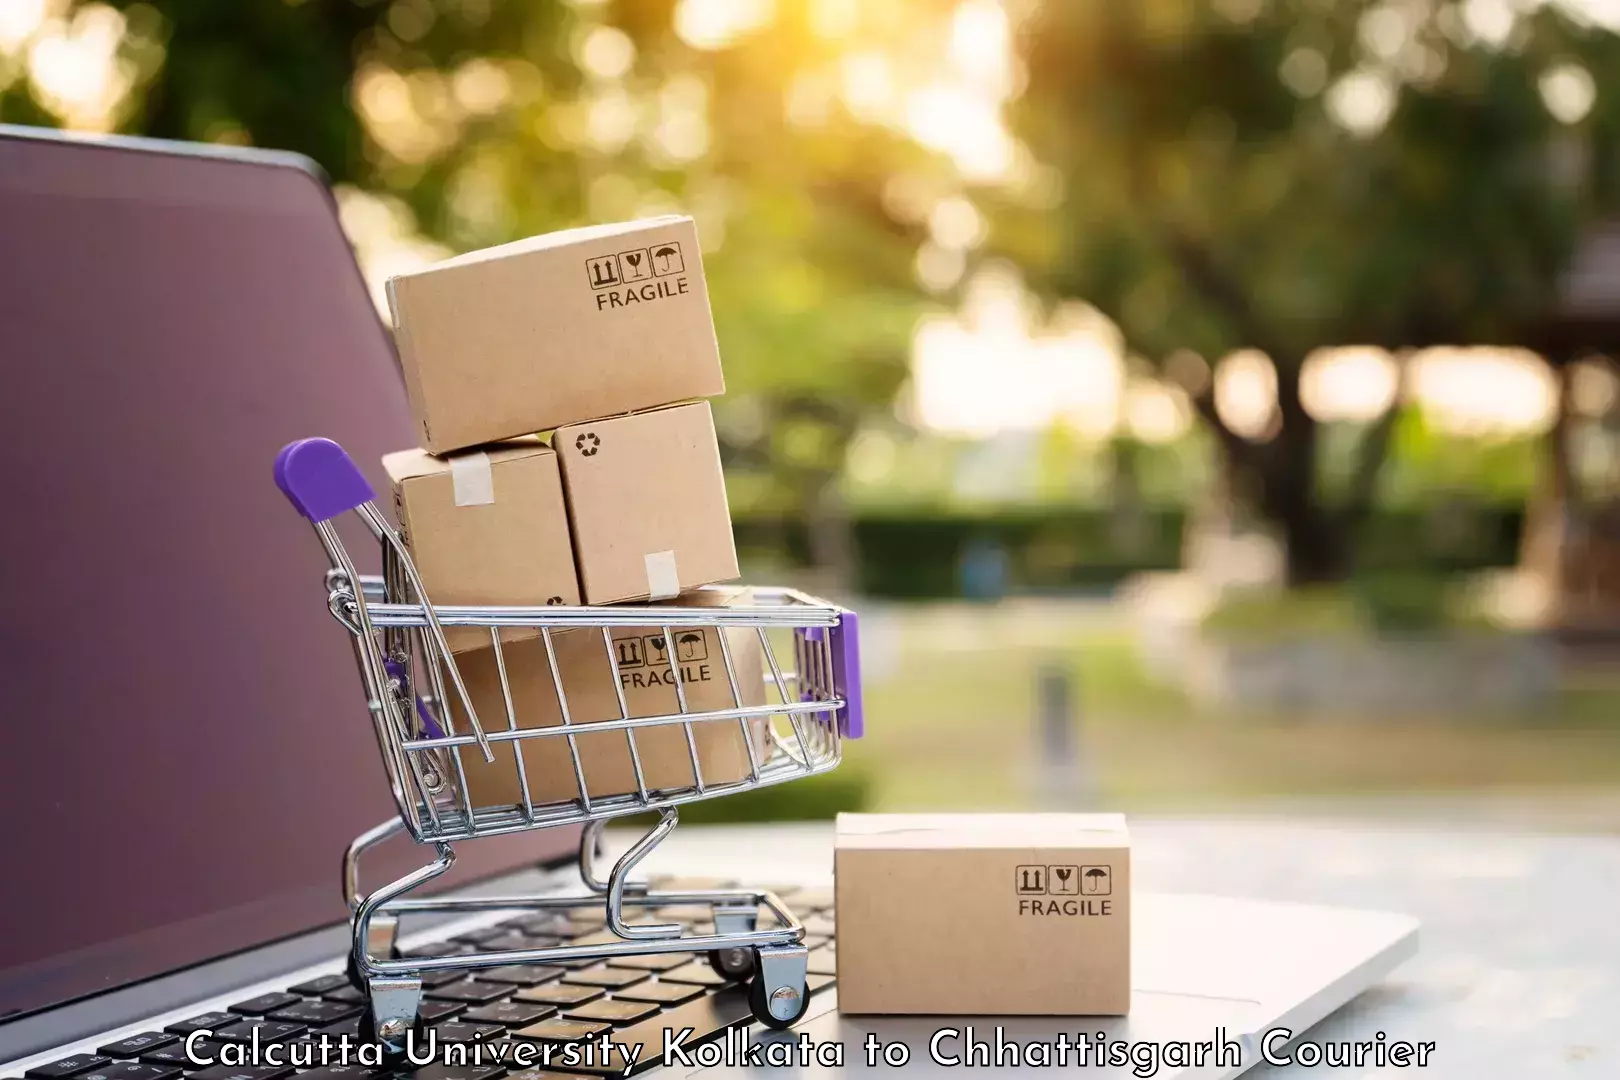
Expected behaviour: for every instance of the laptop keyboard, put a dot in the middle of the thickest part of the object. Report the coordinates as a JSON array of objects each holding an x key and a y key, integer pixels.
[{"x": 635, "y": 998}]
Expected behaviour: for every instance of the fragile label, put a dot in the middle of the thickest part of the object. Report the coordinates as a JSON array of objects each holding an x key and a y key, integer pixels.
[{"x": 638, "y": 276}]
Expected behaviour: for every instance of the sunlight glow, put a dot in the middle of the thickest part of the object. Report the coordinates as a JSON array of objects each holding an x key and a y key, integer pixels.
[
  {"x": 20, "y": 20},
  {"x": 965, "y": 126},
  {"x": 385, "y": 239},
  {"x": 1156, "y": 413},
  {"x": 1246, "y": 393},
  {"x": 75, "y": 69},
  {"x": 1362, "y": 102},
  {"x": 981, "y": 45},
  {"x": 1474, "y": 391},
  {"x": 1568, "y": 92},
  {"x": 681, "y": 133},
  {"x": 868, "y": 86},
  {"x": 606, "y": 52},
  {"x": 991, "y": 369},
  {"x": 1355, "y": 384},
  {"x": 715, "y": 24}
]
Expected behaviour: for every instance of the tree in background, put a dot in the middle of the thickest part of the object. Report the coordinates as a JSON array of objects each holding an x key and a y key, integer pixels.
[
  {"x": 1282, "y": 175},
  {"x": 490, "y": 120}
]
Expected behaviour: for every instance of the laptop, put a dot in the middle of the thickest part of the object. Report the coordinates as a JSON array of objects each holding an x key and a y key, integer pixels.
[{"x": 188, "y": 753}]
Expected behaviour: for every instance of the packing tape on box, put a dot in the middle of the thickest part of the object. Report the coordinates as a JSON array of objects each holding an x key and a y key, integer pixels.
[
  {"x": 472, "y": 479},
  {"x": 663, "y": 583}
]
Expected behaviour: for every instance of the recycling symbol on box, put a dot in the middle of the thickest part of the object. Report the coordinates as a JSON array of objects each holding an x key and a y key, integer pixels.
[{"x": 588, "y": 444}]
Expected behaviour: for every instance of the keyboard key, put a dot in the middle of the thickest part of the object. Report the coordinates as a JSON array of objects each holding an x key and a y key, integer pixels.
[
  {"x": 660, "y": 993},
  {"x": 69, "y": 1066},
  {"x": 136, "y": 1045},
  {"x": 559, "y": 994},
  {"x": 246, "y": 1072},
  {"x": 339, "y": 1072},
  {"x": 318, "y": 987},
  {"x": 440, "y": 1071},
  {"x": 611, "y": 1012},
  {"x": 470, "y": 991},
  {"x": 439, "y": 948},
  {"x": 823, "y": 962},
  {"x": 664, "y": 961},
  {"x": 175, "y": 1053},
  {"x": 508, "y": 1013},
  {"x": 544, "y": 922},
  {"x": 708, "y": 1016},
  {"x": 335, "y": 1032},
  {"x": 348, "y": 995},
  {"x": 522, "y": 974},
  {"x": 209, "y": 1021},
  {"x": 432, "y": 1012},
  {"x": 507, "y": 941},
  {"x": 556, "y": 1029},
  {"x": 443, "y": 976},
  {"x": 818, "y": 924},
  {"x": 455, "y": 1031},
  {"x": 604, "y": 976},
  {"x": 808, "y": 900},
  {"x": 129, "y": 1070},
  {"x": 265, "y": 1003},
  {"x": 315, "y": 1013},
  {"x": 269, "y": 1031},
  {"x": 697, "y": 972}
]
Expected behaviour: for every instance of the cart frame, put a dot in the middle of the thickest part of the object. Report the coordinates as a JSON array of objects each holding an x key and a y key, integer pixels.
[{"x": 399, "y": 643}]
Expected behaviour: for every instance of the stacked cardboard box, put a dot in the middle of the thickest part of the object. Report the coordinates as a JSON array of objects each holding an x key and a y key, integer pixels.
[{"x": 603, "y": 337}]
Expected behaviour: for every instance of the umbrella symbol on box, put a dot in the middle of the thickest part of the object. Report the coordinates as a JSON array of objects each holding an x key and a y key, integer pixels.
[
  {"x": 691, "y": 646},
  {"x": 667, "y": 259},
  {"x": 1095, "y": 881}
]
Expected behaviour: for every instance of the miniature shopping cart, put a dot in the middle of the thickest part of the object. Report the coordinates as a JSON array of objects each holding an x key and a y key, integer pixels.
[{"x": 429, "y": 731}]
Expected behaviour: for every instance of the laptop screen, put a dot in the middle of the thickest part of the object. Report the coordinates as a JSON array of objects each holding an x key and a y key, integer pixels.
[{"x": 186, "y": 745}]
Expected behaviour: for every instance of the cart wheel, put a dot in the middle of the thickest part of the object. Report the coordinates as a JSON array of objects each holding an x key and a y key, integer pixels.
[
  {"x": 760, "y": 1002},
  {"x": 392, "y": 1055},
  {"x": 733, "y": 964}
]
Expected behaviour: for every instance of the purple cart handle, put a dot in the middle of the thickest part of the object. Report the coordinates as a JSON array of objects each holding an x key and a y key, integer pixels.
[
  {"x": 844, "y": 645},
  {"x": 845, "y": 639},
  {"x": 320, "y": 479}
]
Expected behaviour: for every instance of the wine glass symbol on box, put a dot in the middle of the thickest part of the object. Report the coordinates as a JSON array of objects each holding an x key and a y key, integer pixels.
[{"x": 638, "y": 264}]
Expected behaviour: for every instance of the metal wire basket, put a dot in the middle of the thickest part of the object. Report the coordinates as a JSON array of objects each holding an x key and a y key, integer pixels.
[{"x": 497, "y": 741}]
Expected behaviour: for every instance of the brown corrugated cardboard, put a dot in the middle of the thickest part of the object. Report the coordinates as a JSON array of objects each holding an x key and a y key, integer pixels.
[
  {"x": 647, "y": 502},
  {"x": 983, "y": 914},
  {"x": 488, "y": 527},
  {"x": 648, "y": 683},
  {"x": 554, "y": 329}
]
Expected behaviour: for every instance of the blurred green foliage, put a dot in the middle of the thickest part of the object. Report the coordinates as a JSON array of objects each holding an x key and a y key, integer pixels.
[
  {"x": 1283, "y": 174},
  {"x": 495, "y": 120}
]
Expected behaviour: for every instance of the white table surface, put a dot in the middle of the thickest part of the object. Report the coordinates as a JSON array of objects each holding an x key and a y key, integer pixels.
[{"x": 1518, "y": 976}]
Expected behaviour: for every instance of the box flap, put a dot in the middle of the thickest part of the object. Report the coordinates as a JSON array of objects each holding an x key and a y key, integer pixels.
[
  {"x": 405, "y": 465},
  {"x": 938, "y": 831},
  {"x": 544, "y": 242}
]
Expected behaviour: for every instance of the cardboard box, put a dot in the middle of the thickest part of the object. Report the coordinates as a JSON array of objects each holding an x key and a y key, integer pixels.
[
  {"x": 983, "y": 914},
  {"x": 647, "y": 502},
  {"x": 649, "y": 690},
  {"x": 554, "y": 329},
  {"x": 489, "y": 527}
]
